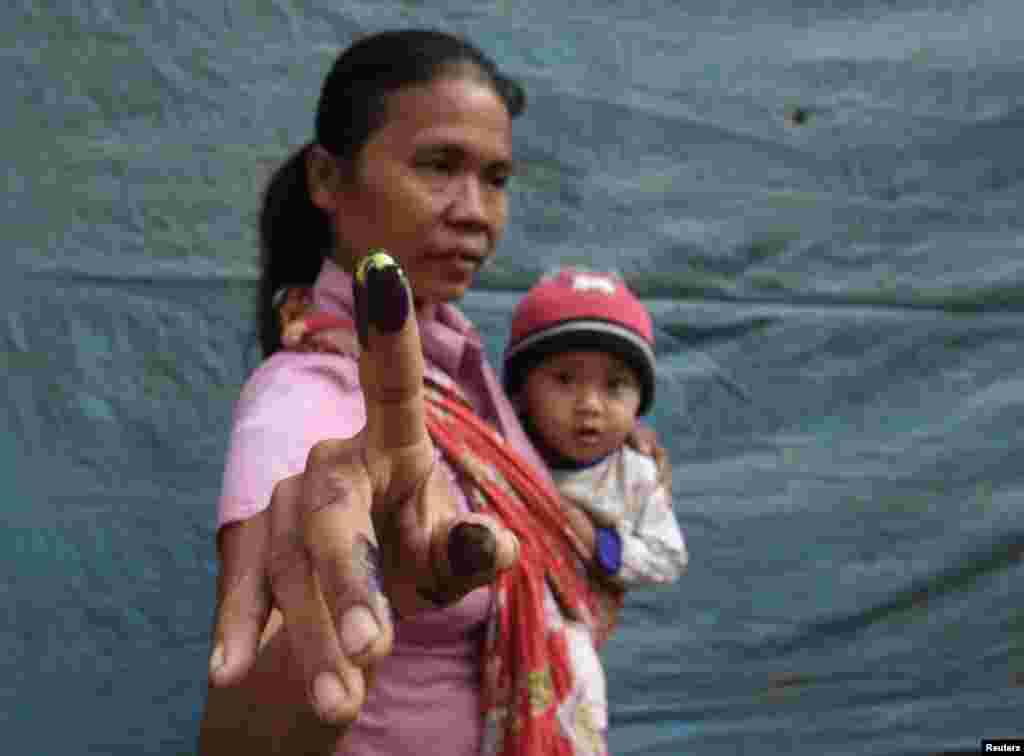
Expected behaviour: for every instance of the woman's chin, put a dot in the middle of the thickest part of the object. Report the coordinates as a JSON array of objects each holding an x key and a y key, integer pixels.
[{"x": 441, "y": 292}]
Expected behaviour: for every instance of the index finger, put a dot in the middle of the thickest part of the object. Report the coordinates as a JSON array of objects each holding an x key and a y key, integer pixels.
[{"x": 391, "y": 362}]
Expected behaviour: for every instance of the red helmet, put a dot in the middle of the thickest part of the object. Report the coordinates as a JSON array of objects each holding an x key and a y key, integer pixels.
[{"x": 577, "y": 309}]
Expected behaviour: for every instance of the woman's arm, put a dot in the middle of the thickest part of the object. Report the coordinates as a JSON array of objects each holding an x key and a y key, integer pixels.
[
  {"x": 369, "y": 515},
  {"x": 653, "y": 547},
  {"x": 644, "y": 440}
]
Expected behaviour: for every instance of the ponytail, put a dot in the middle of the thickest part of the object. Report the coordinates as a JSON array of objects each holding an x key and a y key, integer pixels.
[{"x": 294, "y": 236}]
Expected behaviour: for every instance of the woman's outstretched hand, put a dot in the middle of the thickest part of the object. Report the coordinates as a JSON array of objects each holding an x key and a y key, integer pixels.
[{"x": 369, "y": 528}]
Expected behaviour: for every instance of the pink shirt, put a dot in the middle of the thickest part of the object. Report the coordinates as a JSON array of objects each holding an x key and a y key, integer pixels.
[{"x": 426, "y": 695}]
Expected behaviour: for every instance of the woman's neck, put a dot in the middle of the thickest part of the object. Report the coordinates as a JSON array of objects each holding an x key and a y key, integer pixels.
[{"x": 425, "y": 311}]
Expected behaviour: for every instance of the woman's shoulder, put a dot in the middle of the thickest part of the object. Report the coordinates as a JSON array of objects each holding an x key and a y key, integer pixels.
[
  {"x": 290, "y": 373},
  {"x": 288, "y": 404},
  {"x": 306, "y": 366}
]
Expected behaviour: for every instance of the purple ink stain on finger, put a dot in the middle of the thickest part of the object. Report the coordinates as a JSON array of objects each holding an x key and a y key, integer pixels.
[
  {"x": 388, "y": 299},
  {"x": 471, "y": 549},
  {"x": 368, "y": 554}
]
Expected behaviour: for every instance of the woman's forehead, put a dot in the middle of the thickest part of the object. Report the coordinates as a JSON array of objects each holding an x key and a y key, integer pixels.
[{"x": 462, "y": 113}]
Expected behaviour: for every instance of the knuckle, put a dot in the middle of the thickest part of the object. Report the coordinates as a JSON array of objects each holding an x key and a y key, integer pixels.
[
  {"x": 288, "y": 561},
  {"x": 349, "y": 709},
  {"x": 283, "y": 498},
  {"x": 285, "y": 489},
  {"x": 335, "y": 491},
  {"x": 323, "y": 454},
  {"x": 337, "y": 578},
  {"x": 348, "y": 581}
]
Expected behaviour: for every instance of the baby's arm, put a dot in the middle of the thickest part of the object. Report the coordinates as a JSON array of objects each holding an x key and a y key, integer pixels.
[{"x": 653, "y": 547}]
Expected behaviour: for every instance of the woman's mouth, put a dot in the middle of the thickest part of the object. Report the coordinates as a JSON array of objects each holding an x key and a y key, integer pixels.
[{"x": 459, "y": 265}]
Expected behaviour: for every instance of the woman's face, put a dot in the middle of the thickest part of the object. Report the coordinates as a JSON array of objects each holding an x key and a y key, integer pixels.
[{"x": 428, "y": 186}]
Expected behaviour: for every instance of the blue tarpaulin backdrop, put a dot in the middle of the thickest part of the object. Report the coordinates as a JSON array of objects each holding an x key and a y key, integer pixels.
[{"x": 839, "y": 297}]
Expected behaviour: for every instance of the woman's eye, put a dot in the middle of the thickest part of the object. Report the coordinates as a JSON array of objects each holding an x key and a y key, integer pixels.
[
  {"x": 564, "y": 379},
  {"x": 444, "y": 167},
  {"x": 499, "y": 182}
]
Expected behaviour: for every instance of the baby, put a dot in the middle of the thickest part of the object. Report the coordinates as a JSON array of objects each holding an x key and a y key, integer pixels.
[{"x": 579, "y": 367}]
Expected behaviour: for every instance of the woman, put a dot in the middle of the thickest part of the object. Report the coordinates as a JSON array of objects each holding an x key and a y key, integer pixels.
[{"x": 379, "y": 552}]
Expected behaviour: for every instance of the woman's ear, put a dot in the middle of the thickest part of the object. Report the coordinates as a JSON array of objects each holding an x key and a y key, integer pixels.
[{"x": 323, "y": 178}]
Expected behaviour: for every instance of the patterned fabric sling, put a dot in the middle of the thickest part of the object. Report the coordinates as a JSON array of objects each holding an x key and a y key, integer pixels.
[{"x": 532, "y": 703}]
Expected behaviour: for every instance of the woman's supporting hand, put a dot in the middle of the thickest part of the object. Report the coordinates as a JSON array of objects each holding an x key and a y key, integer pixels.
[
  {"x": 645, "y": 440},
  {"x": 369, "y": 528}
]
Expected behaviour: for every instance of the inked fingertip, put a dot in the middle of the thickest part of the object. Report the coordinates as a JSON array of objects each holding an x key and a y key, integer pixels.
[
  {"x": 472, "y": 549},
  {"x": 388, "y": 306},
  {"x": 381, "y": 294},
  {"x": 376, "y": 259}
]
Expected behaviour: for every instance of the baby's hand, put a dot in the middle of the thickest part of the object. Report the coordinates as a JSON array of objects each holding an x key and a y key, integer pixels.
[{"x": 598, "y": 518}]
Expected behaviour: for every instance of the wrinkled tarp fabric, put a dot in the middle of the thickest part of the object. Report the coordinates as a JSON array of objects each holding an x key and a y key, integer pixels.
[{"x": 839, "y": 298}]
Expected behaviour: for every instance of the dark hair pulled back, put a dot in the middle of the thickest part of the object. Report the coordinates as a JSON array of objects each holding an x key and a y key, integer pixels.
[{"x": 294, "y": 233}]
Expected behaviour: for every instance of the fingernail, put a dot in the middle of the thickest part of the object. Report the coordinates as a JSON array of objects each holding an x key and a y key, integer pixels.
[
  {"x": 217, "y": 658},
  {"x": 388, "y": 300},
  {"x": 328, "y": 694},
  {"x": 358, "y": 630},
  {"x": 471, "y": 549}
]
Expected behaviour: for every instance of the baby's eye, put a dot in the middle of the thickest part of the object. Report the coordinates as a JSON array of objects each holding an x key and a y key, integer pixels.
[{"x": 618, "y": 385}]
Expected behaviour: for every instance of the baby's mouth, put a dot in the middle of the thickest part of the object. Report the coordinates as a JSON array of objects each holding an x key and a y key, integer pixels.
[{"x": 588, "y": 435}]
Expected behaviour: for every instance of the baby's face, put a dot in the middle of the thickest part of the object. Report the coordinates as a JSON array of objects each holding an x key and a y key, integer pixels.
[{"x": 583, "y": 404}]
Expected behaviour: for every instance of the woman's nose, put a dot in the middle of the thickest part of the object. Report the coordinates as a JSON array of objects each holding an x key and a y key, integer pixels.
[{"x": 468, "y": 205}]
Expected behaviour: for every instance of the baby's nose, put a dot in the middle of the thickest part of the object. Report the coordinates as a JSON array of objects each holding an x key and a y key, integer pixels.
[{"x": 589, "y": 399}]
